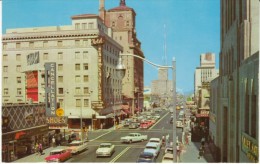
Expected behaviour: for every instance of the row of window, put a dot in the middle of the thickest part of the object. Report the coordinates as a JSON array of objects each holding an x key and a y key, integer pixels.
[
  {"x": 84, "y": 26},
  {"x": 78, "y": 102}
]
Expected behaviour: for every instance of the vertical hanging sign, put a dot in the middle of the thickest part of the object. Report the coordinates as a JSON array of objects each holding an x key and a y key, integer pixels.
[{"x": 50, "y": 89}]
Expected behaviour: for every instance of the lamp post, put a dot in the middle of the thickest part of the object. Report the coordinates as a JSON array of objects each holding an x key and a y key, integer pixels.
[{"x": 120, "y": 68}]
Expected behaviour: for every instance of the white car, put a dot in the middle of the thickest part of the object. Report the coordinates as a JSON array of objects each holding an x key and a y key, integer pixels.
[
  {"x": 156, "y": 140},
  {"x": 105, "y": 149},
  {"x": 168, "y": 150},
  {"x": 77, "y": 146},
  {"x": 152, "y": 148},
  {"x": 179, "y": 124},
  {"x": 133, "y": 137},
  {"x": 167, "y": 158}
]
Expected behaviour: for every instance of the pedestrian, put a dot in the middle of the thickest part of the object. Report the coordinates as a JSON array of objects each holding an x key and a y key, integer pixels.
[
  {"x": 201, "y": 152},
  {"x": 40, "y": 149},
  {"x": 187, "y": 139},
  {"x": 37, "y": 148},
  {"x": 53, "y": 142},
  {"x": 163, "y": 140},
  {"x": 178, "y": 152}
]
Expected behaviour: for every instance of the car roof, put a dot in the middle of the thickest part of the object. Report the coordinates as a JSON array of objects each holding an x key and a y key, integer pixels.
[
  {"x": 151, "y": 144},
  {"x": 57, "y": 150},
  {"x": 155, "y": 139},
  {"x": 105, "y": 144}
]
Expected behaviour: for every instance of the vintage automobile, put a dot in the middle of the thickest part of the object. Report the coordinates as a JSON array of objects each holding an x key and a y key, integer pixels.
[
  {"x": 152, "y": 148},
  {"x": 179, "y": 124},
  {"x": 145, "y": 125},
  {"x": 58, "y": 155},
  {"x": 133, "y": 137},
  {"x": 133, "y": 125},
  {"x": 167, "y": 158},
  {"x": 77, "y": 146},
  {"x": 146, "y": 157},
  {"x": 168, "y": 150},
  {"x": 105, "y": 149},
  {"x": 156, "y": 140}
]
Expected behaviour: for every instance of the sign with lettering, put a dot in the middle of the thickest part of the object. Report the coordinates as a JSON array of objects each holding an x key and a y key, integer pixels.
[
  {"x": 50, "y": 89},
  {"x": 97, "y": 41},
  {"x": 55, "y": 121},
  {"x": 250, "y": 147},
  {"x": 33, "y": 58},
  {"x": 97, "y": 105}
]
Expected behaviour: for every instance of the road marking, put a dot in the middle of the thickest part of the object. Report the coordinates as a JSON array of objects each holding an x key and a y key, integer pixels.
[
  {"x": 159, "y": 120},
  {"x": 119, "y": 155},
  {"x": 100, "y": 136}
]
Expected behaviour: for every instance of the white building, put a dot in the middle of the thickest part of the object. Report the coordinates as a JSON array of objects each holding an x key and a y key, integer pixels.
[{"x": 86, "y": 57}]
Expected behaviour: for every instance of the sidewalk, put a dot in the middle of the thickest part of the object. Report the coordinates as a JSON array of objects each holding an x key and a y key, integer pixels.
[{"x": 190, "y": 154}]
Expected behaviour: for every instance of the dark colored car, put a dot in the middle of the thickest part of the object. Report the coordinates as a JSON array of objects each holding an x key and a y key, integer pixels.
[{"x": 146, "y": 157}]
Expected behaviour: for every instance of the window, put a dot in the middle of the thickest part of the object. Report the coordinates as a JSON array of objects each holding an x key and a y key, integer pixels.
[
  {"x": 86, "y": 102},
  {"x": 77, "y": 26},
  {"x": 85, "y": 66},
  {"x": 19, "y": 91},
  {"x": 77, "y": 67},
  {"x": 60, "y": 67},
  {"x": 85, "y": 43},
  {"x": 45, "y": 44},
  {"x": 5, "y": 69},
  {"x": 127, "y": 23},
  {"x": 31, "y": 44},
  {"x": 77, "y": 55},
  {"x": 5, "y": 80},
  {"x": 84, "y": 26},
  {"x": 113, "y": 24},
  {"x": 77, "y": 79},
  {"x": 5, "y": 91},
  {"x": 77, "y": 91},
  {"x": 59, "y": 43},
  {"x": 18, "y": 57},
  {"x": 86, "y": 90},
  {"x": 85, "y": 78},
  {"x": 60, "y": 90},
  {"x": 85, "y": 54},
  {"x": 18, "y": 45},
  {"x": 4, "y": 46},
  {"x": 18, "y": 68},
  {"x": 60, "y": 79},
  {"x": 60, "y": 55},
  {"x": 91, "y": 25},
  {"x": 78, "y": 103},
  {"x": 77, "y": 43},
  {"x": 5, "y": 57},
  {"x": 19, "y": 80},
  {"x": 45, "y": 56},
  {"x": 61, "y": 101}
]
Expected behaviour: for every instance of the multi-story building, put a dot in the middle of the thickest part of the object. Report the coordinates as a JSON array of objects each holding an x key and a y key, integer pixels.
[
  {"x": 162, "y": 88},
  {"x": 86, "y": 56},
  {"x": 122, "y": 20},
  {"x": 206, "y": 72},
  {"x": 234, "y": 113}
]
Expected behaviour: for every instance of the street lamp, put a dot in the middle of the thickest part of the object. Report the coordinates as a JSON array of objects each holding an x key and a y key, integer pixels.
[{"x": 120, "y": 69}]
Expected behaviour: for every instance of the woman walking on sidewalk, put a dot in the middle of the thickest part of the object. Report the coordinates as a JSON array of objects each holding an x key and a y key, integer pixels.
[{"x": 201, "y": 152}]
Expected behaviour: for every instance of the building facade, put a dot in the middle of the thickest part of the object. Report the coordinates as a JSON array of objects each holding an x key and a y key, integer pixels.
[
  {"x": 86, "y": 56},
  {"x": 205, "y": 72},
  {"x": 235, "y": 91},
  {"x": 122, "y": 21}
]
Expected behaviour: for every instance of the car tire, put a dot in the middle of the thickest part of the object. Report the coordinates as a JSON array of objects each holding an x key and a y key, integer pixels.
[{"x": 142, "y": 140}]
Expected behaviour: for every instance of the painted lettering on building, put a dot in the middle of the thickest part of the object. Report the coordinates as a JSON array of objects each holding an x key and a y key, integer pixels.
[
  {"x": 54, "y": 121},
  {"x": 250, "y": 147},
  {"x": 97, "y": 41}
]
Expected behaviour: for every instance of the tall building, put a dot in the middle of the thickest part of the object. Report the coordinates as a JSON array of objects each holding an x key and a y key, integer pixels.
[
  {"x": 122, "y": 21},
  {"x": 205, "y": 72},
  {"x": 234, "y": 121},
  {"x": 86, "y": 56},
  {"x": 161, "y": 89}
]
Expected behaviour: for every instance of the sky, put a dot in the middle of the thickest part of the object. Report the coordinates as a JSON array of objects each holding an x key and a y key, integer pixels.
[{"x": 191, "y": 27}]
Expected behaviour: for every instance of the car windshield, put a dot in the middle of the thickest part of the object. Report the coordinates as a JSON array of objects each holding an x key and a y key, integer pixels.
[
  {"x": 169, "y": 151},
  {"x": 155, "y": 141},
  {"x": 104, "y": 146},
  {"x": 168, "y": 158},
  {"x": 146, "y": 156},
  {"x": 150, "y": 147},
  {"x": 54, "y": 153}
]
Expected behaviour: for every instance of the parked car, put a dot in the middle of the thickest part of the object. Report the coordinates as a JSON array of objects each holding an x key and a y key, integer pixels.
[
  {"x": 146, "y": 157},
  {"x": 167, "y": 158},
  {"x": 58, "y": 155},
  {"x": 156, "y": 140},
  {"x": 168, "y": 150},
  {"x": 105, "y": 149},
  {"x": 152, "y": 148},
  {"x": 77, "y": 146},
  {"x": 133, "y": 125},
  {"x": 179, "y": 124},
  {"x": 133, "y": 137},
  {"x": 127, "y": 122},
  {"x": 146, "y": 124}
]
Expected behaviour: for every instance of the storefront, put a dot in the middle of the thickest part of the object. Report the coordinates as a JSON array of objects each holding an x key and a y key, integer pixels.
[{"x": 17, "y": 144}]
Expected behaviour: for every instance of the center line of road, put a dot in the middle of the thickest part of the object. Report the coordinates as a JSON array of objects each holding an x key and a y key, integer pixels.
[
  {"x": 119, "y": 155},
  {"x": 159, "y": 120}
]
